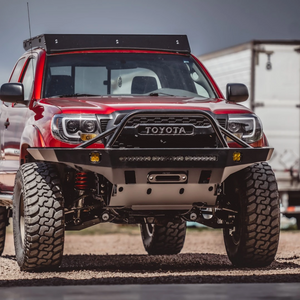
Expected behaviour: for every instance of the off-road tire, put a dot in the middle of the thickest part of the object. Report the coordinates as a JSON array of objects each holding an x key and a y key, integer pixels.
[
  {"x": 253, "y": 193},
  {"x": 3, "y": 223},
  {"x": 163, "y": 240},
  {"x": 38, "y": 199}
]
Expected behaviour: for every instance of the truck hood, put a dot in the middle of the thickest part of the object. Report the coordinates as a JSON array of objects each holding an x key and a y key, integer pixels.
[{"x": 109, "y": 104}]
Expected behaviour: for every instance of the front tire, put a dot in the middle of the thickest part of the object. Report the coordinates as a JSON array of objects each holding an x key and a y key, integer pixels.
[
  {"x": 38, "y": 218},
  {"x": 163, "y": 239},
  {"x": 254, "y": 240}
]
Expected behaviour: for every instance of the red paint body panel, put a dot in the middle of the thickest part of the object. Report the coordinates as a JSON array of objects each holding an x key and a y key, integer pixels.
[{"x": 38, "y": 82}]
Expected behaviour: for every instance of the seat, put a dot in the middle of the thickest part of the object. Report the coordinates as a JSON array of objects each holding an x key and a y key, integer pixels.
[
  {"x": 143, "y": 84},
  {"x": 60, "y": 85}
]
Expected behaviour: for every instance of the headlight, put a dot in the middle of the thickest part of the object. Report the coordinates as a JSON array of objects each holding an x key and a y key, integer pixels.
[
  {"x": 89, "y": 126},
  {"x": 246, "y": 127},
  {"x": 74, "y": 128}
]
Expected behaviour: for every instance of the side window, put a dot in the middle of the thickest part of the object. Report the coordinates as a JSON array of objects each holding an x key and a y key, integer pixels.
[
  {"x": 17, "y": 71},
  {"x": 28, "y": 78}
]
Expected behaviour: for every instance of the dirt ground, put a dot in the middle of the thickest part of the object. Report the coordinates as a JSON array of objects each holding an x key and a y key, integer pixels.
[{"x": 119, "y": 258}]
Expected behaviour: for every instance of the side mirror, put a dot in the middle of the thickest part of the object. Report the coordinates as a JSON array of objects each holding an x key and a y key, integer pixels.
[
  {"x": 236, "y": 92},
  {"x": 12, "y": 92}
]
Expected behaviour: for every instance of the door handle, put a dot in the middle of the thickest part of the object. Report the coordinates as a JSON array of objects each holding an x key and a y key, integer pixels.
[{"x": 6, "y": 123}]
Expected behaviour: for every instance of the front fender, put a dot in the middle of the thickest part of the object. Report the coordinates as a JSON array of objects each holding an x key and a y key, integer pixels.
[{"x": 31, "y": 137}]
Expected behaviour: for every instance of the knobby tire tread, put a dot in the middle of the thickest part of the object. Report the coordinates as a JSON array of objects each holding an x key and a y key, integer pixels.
[
  {"x": 259, "y": 218},
  {"x": 165, "y": 240},
  {"x": 44, "y": 217}
]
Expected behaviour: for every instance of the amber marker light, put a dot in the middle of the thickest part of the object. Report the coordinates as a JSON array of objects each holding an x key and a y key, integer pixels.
[
  {"x": 95, "y": 157},
  {"x": 237, "y": 156},
  {"x": 87, "y": 136}
]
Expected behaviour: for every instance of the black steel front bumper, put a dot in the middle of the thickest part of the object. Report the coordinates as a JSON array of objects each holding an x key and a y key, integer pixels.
[
  {"x": 184, "y": 176},
  {"x": 86, "y": 159}
]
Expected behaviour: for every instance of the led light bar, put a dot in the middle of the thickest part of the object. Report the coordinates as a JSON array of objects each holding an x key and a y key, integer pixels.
[{"x": 168, "y": 158}]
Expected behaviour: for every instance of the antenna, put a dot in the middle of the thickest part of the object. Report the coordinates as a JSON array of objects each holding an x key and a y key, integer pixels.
[{"x": 29, "y": 21}]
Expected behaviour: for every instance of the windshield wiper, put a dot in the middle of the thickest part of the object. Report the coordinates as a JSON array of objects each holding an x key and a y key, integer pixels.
[
  {"x": 156, "y": 94},
  {"x": 75, "y": 95}
]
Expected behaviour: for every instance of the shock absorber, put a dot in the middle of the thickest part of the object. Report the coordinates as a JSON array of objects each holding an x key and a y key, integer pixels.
[{"x": 81, "y": 183}]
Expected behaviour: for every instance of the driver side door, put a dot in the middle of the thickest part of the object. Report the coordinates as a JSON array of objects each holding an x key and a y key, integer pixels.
[{"x": 12, "y": 122}]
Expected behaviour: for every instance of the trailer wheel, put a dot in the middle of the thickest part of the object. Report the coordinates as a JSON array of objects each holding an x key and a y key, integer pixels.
[
  {"x": 163, "y": 240},
  {"x": 254, "y": 240},
  {"x": 3, "y": 221},
  {"x": 38, "y": 217},
  {"x": 298, "y": 222}
]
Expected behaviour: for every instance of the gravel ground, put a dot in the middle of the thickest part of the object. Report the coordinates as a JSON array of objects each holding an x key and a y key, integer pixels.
[{"x": 120, "y": 258}]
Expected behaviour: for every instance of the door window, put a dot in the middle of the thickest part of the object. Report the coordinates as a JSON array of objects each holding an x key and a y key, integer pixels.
[
  {"x": 28, "y": 79},
  {"x": 17, "y": 71}
]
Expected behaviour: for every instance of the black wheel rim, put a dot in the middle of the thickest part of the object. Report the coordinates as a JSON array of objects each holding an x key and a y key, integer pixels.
[{"x": 235, "y": 235}]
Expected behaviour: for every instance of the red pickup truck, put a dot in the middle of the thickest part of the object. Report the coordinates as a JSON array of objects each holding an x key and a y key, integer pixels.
[{"x": 130, "y": 129}]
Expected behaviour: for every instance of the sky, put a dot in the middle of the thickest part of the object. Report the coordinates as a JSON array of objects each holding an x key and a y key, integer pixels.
[{"x": 209, "y": 24}]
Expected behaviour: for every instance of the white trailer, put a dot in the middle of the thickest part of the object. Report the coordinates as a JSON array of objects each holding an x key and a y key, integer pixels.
[{"x": 271, "y": 70}]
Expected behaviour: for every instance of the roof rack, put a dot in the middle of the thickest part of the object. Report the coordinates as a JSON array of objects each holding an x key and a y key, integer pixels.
[{"x": 54, "y": 43}]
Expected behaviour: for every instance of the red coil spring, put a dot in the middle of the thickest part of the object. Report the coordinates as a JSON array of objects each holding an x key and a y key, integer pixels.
[{"x": 81, "y": 181}]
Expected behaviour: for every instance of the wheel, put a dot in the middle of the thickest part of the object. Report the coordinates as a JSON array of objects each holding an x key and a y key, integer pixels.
[
  {"x": 3, "y": 222},
  {"x": 254, "y": 240},
  {"x": 38, "y": 218},
  {"x": 161, "y": 240}
]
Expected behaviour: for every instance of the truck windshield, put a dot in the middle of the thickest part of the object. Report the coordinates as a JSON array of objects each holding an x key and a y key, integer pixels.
[{"x": 149, "y": 74}]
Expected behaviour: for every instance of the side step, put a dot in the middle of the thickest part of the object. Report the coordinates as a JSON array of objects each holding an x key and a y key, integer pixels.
[{"x": 6, "y": 200}]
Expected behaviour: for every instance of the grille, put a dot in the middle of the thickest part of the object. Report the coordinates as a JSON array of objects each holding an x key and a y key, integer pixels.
[
  {"x": 198, "y": 132},
  {"x": 103, "y": 124},
  {"x": 198, "y": 121},
  {"x": 222, "y": 122}
]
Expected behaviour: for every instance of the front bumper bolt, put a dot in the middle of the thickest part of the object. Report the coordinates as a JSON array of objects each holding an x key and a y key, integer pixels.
[
  {"x": 193, "y": 216},
  {"x": 105, "y": 217}
]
